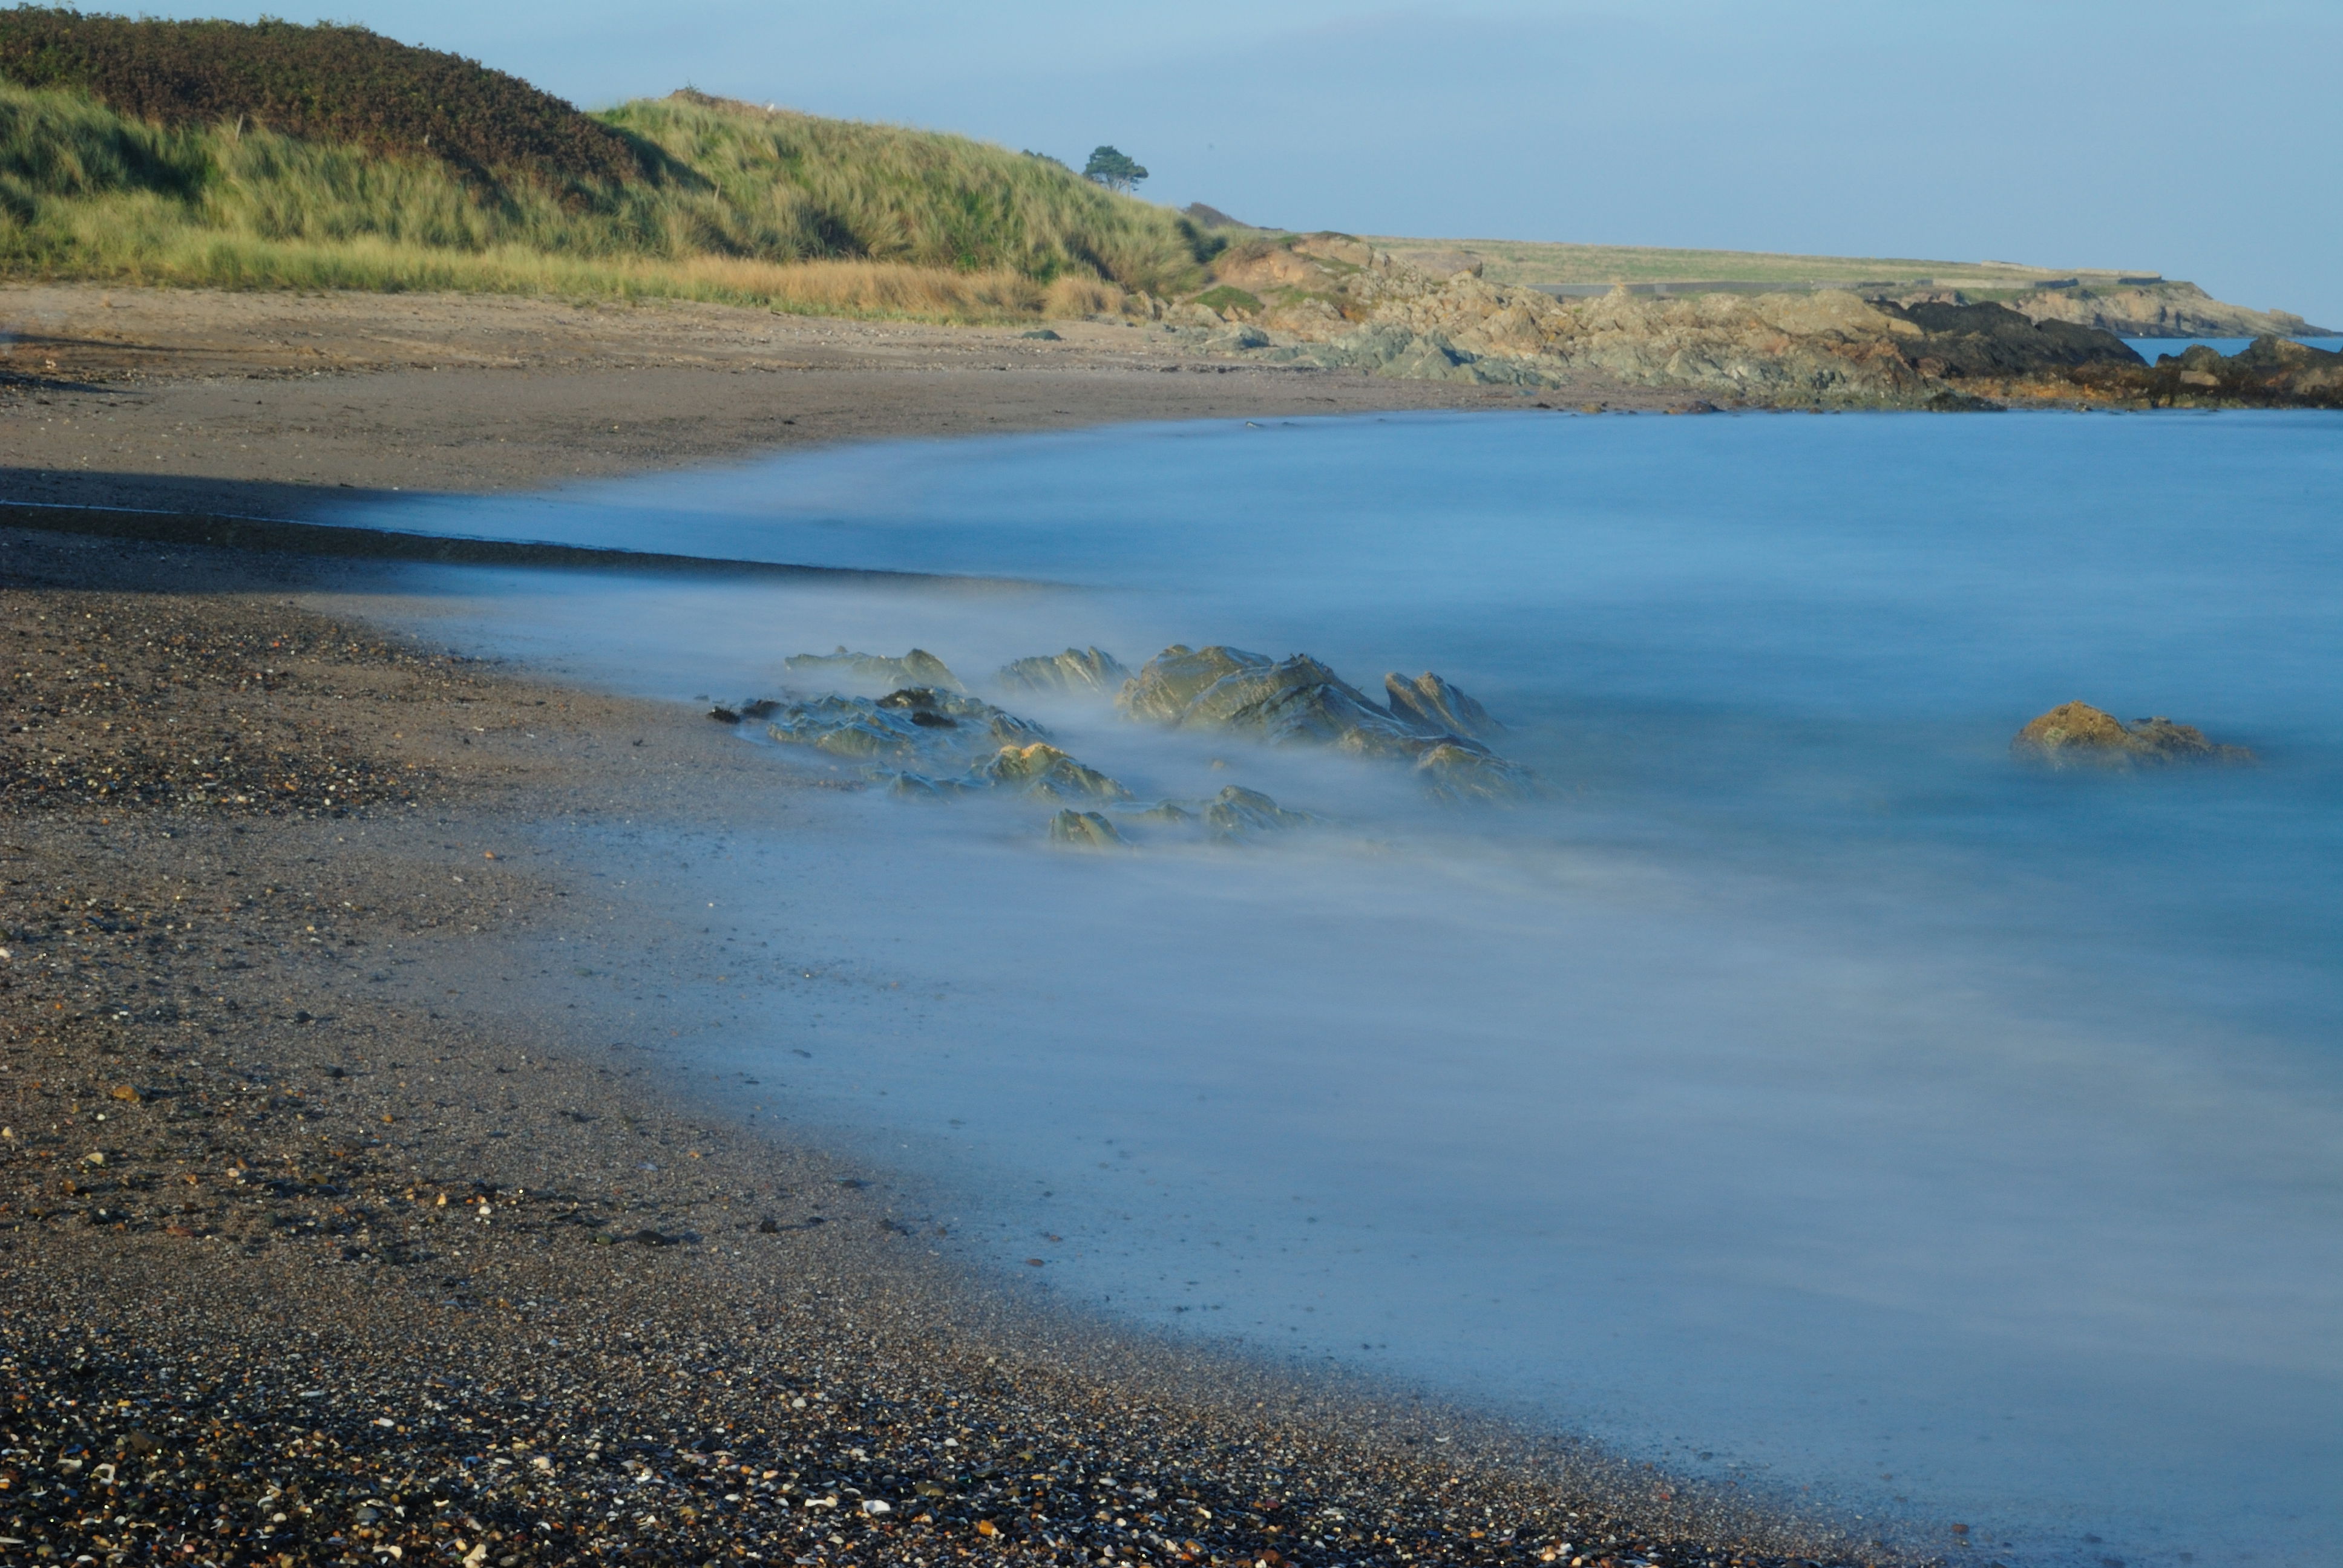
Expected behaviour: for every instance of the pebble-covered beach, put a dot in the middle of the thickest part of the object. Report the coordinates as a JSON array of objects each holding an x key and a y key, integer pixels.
[{"x": 316, "y": 1249}]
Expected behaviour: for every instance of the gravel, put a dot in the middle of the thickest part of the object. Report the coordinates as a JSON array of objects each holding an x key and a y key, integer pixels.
[{"x": 313, "y": 1250}]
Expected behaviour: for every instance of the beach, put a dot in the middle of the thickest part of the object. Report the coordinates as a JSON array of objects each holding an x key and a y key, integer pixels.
[{"x": 329, "y": 1238}]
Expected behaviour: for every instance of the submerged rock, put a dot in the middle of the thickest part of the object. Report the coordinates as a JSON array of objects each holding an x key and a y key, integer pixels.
[
  {"x": 1083, "y": 831},
  {"x": 1431, "y": 705},
  {"x": 2076, "y": 734},
  {"x": 917, "y": 667},
  {"x": 1083, "y": 671}
]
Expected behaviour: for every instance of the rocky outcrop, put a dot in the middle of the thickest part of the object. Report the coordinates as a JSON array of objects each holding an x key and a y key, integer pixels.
[
  {"x": 917, "y": 667},
  {"x": 1431, "y": 705},
  {"x": 2160, "y": 309},
  {"x": 2271, "y": 373},
  {"x": 1079, "y": 671},
  {"x": 1970, "y": 341},
  {"x": 2076, "y": 734},
  {"x": 1333, "y": 302},
  {"x": 1300, "y": 701}
]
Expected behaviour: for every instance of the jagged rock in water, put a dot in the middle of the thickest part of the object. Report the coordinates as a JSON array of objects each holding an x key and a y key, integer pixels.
[
  {"x": 1454, "y": 769},
  {"x": 1083, "y": 671},
  {"x": 1043, "y": 770},
  {"x": 917, "y": 667},
  {"x": 2076, "y": 734},
  {"x": 1083, "y": 831},
  {"x": 1301, "y": 701},
  {"x": 1433, "y": 706},
  {"x": 1237, "y": 811},
  {"x": 916, "y": 725},
  {"x": 1166, "y": 684}
]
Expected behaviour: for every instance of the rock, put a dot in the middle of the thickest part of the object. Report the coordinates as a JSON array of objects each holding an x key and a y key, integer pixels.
[
  {"x": 1236, "y": 812},
  {"x": 1457, "y": 771},
  {"x": 1237, "y": 339},
  {"x": 1079, "y": 670},
  {"x": 1042, "y": 334},
  {"x": 2076, "y": 734},
  {"x": 1432, "y": 705},
  {"x": 1043, "y": 770},
  {"x": 1962, "y": 341},
  {"x": 917, "y": 667},
  {"x": 1166, "y": 684},
  {"x": 1300, "y": 701},
  {"x": 917, "y": 724},
  {"x": 1083, "y": 831}
]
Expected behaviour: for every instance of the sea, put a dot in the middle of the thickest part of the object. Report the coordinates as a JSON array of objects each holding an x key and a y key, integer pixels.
[{"x": 1798, "y": 1092}]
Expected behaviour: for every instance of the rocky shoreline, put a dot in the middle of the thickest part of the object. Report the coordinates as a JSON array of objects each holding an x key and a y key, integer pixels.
[
  {"x": 1332, "y": 302},
  {"x": 325, "y": 1241}
]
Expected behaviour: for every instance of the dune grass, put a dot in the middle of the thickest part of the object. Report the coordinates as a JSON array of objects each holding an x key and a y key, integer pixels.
[{"x": 740, "y": 205}]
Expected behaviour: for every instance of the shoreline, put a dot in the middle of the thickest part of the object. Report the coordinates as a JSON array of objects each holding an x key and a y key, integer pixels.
[
  {"x": 302, "y": 971},
  {"x": 295, "y": 405}
]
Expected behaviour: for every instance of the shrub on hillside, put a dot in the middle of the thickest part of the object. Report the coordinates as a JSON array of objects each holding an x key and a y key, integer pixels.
[{"x": 327, "y": 82}]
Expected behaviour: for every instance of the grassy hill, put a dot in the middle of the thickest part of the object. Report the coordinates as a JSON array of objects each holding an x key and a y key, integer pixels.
[{"x": 278, "y": 156}]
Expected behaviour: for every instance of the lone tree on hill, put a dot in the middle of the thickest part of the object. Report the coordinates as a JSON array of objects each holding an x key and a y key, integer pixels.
[{"x": 1112, "y": 168}]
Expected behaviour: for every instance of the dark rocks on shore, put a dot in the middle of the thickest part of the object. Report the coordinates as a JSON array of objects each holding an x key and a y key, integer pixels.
[
  {"x": 2076, "y": 734},
  {"x": 2270, "y": 373},
  {"x": 1967, "y": 341}
]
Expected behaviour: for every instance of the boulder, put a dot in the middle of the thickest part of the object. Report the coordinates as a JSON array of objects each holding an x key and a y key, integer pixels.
[
  {"x": 1300, "y": 701},
  {"x": 917, "y": 667},
  {"x": 1083, "y": 671},
  {"x": 2076, "y": 734},
  {"x": 1457, "y": 771},
  {"x": 1084, "y": 831},
  {"x": 1166, "y": 684},
  {"x": 1429, "y": 705},
  {"x": 1043, "y": 770}
]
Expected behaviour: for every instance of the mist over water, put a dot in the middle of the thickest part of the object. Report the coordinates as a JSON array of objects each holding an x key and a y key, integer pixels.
[{"x": 1801, "y": 1091}]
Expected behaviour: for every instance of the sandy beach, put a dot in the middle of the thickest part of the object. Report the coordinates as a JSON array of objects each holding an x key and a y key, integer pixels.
[{"x": 326, "y": 1238}]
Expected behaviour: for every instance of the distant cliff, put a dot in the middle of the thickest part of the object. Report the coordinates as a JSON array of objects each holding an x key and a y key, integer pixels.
[{"x": 2160, "y": 310}]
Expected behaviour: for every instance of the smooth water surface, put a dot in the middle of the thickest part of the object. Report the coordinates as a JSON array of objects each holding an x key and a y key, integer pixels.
[
  {"x": 2153, "y": 348},
  {"x": 1802, "y": 1090}
]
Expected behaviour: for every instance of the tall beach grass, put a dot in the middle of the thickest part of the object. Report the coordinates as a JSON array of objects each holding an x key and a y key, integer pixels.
[{"x": 745, "y": 205}]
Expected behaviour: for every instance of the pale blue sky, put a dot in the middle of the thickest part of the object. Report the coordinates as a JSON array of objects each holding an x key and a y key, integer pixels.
[{"x": 2203, "y": 142}]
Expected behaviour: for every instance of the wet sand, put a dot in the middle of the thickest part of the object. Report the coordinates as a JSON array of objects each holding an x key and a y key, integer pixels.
[{"x": 325, "y": 1237}]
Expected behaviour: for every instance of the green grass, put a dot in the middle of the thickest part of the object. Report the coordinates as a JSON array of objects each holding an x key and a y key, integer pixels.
[{"x": 745, "y": 205}]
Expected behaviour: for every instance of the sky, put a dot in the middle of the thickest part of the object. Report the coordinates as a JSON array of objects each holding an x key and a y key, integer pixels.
[{"x": 2200, "y": 142}]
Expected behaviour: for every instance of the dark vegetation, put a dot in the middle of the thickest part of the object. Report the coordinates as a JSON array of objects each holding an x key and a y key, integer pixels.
[{"x": 324, "y": 83}]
